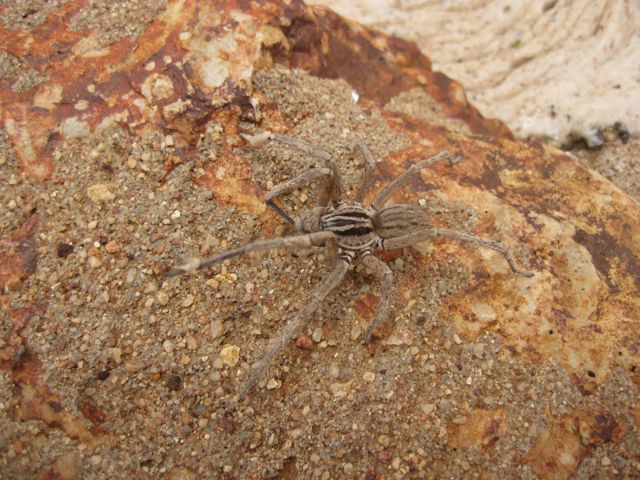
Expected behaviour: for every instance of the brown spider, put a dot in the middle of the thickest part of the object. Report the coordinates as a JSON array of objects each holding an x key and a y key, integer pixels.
[{"x": 353, "y": 230}]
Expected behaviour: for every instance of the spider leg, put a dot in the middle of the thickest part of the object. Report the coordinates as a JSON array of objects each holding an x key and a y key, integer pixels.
[
  {"x": 406, "y": 240},
  {"x": 384, "y": 196},
  {"x": 295, "y": 325},
  {"x": 367, "y": 174},
  {"x": 384, "y": 307},
  {"x": 334, "y": 187},
  {"x": 297, "y": 182},
  {"x": 315, "y": 239}
]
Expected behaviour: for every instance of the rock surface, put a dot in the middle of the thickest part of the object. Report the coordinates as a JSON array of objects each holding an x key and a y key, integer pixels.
[
  {"x": 564, "y": 69},
  {"x": 111, "y": 370}
]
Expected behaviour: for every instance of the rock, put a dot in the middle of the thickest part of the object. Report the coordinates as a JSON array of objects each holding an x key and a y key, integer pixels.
[
  {"x": 369, "y": 377},
  {"x": 112, "y": 247},
  {"x": 217, "y": 329},
  {"x": 167, "y": 346},
  {"x": 385, "y": 457},
  {"x": 94, "y": 262},
  {"x": 187, "y": 301},
  {"x": 317, "y": 335},
  {"x": 273, "y": 383},
  {"x": 304, "y": 343},
  {"x": 340, "y": 389},
  {"x": 64, "y": 249},
  {"x": 100, "y": 192},
  {"x": 230, "y": 355}
]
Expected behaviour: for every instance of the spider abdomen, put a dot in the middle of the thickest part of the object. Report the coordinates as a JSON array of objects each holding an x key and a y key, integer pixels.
[{"x": 399, "y": 220}]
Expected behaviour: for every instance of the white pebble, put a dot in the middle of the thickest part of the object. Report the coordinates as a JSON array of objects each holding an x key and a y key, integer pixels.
[{"x": 317, "y": 335}]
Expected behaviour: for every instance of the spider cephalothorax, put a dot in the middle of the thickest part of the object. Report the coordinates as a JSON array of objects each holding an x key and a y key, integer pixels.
[{"x": 356, "y": 231}]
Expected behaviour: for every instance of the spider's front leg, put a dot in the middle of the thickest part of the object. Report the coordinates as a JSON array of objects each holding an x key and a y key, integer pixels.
[
  {"x": 331, "y": 189},
  {"x": 383, "y": 197},
  {"x": 315, "y": 239}
]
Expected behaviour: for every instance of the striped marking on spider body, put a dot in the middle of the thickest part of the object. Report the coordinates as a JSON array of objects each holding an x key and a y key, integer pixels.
[{"x": 353, "y": 227}]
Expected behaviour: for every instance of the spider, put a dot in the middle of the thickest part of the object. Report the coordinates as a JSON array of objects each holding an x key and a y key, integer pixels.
[{"x": 349, "y": 229}]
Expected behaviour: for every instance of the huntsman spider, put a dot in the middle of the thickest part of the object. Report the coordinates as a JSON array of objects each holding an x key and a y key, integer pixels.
[{"x": 353, "y": 229}]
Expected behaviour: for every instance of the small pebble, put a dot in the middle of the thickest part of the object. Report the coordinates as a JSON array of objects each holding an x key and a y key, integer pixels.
[
  {"x": 369, "y": 377},
  {"x": 185, "y": 360},
  {"x": 162, "y": 298},
  {"x": 304, "y": 343},
  {"x": 217, "y": 329},
  {"x": 385, "y": 457},
  {"x": 384, "y": 440},
  {"x": 230, "y": 355},
  {"x": 356, "y": 331},
  {"x": 64, "y": 249},
  {"x": 317, "y": 335},
  {"x": 273, "y": 384},
  {"x": 395, "y": 463},
  {"x": 94, "y": 262},
  {"x": 456, "y": 339},
  {"x": 116, "y": 354},
  {"x": 100, "y": 192},
  {"x": 605, "y": 461},
  {"x": 167, "y": 346},
  {"x": 192, "y": 343},
  {"x": 340, "y": 390},
  {"x": 112, "y": 246},
  {"x": 188, "y": 301},
  {"x": 174, "y": 383},
  {"x": 96, "y": 459},
  {"x": 131, "y": 275},
  {"x": 428, "y": 408},
  {"x": 461, "y": 420}
]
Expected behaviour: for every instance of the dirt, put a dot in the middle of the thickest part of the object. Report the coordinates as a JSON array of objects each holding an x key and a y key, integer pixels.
[{"x": 141, "y": 352}]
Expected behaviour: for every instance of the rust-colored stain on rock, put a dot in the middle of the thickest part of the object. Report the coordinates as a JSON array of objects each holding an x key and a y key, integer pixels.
[
  {"x": 480, "y": 429},
  {"x": 559, "y": 450}
]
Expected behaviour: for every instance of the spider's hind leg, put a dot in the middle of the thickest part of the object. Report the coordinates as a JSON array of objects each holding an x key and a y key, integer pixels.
[
  {"x": 294, "y": 326},
  {"x": 430, "y": 233},
  {"x": 384, "y": 307}
]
